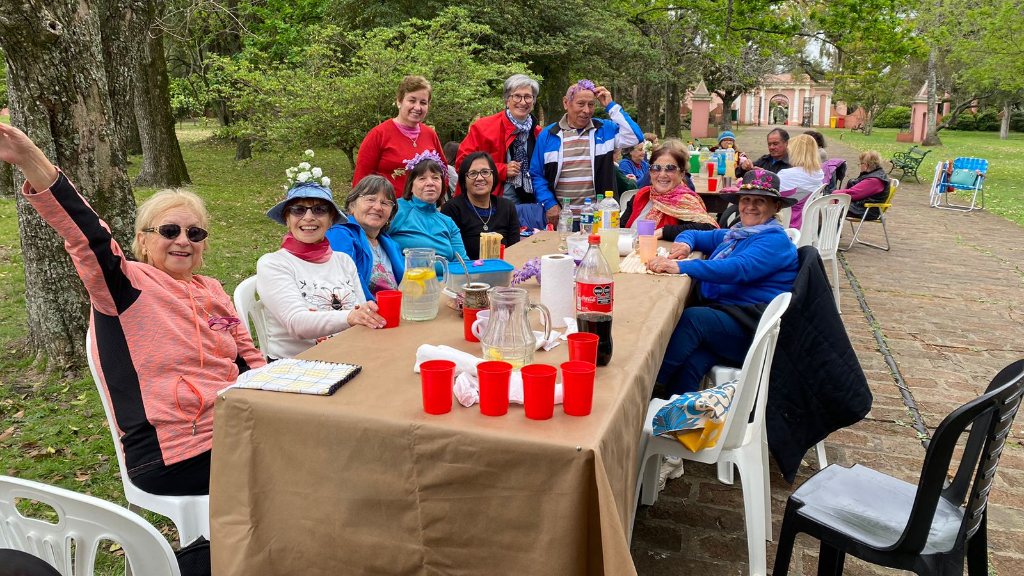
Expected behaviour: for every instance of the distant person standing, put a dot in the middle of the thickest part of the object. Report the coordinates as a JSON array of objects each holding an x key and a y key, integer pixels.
[{"x": 395, "y": 142}]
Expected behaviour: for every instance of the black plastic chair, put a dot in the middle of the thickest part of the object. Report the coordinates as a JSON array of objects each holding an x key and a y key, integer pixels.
[{"x": 927, "y": 529}]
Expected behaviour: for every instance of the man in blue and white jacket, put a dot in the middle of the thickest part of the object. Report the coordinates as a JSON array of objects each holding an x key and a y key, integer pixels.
[{"x": 573, "y": 158}]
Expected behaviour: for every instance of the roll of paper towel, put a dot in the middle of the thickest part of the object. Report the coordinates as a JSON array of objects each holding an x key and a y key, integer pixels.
[{"x": 557, "y": 287}]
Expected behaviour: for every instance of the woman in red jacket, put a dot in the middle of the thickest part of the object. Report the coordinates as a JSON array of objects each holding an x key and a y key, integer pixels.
[
  {"x": 509, "y": 137},
  {"x": 395, "y": 142}
]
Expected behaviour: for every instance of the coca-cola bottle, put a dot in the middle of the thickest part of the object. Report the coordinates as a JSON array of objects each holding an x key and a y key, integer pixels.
[{"x": 595, "y": 294}]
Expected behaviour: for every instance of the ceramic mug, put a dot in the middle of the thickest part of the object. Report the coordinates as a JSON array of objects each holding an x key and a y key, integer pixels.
[{"x": 480, "y": 324}]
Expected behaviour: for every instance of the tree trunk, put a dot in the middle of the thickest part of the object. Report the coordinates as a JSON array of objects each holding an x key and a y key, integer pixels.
[
  {"x": 1004, "y": 126},
  {"x": 648, "y": 106},
  {"x": 244, "y": 150},
  {"x": 119, "y": 58},
  {"x": 672, "y": 124},
  {"x": 727, "y": 99},
  {"x": 58, "y": 96},
  {"x": 931, "y": 137},
  {"x": 6, "y": 180},
  {"x": 162, "y": 163}
]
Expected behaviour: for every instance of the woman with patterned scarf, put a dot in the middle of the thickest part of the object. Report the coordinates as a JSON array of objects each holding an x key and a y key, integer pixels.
[
  {"x": 751, "y": 263},
  {"x": 509, "y": 137},
  {"x": 668, "y": 201}
]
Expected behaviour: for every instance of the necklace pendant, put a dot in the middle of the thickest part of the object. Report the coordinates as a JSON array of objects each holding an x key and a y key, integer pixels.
[
  {"x": 485, "y": 228},
  {"x": 414, "y": 145}
]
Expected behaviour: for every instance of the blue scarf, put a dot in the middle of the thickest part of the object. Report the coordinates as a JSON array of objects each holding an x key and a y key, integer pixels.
[
  {"x": 737, "y": 233},
  {"x": 517, "y": 152}
]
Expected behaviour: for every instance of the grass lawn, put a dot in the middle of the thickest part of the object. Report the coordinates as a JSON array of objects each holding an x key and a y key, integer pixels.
[
  {"x": 54, "y": 429},
  {"x": 1004, "y": 187}
]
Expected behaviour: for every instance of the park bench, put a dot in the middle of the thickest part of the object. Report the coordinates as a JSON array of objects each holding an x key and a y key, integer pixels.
[{"x": 908, "y": 162}]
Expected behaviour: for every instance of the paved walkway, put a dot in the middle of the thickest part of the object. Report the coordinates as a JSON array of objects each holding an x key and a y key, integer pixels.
[{"x": 949, "y": 300}]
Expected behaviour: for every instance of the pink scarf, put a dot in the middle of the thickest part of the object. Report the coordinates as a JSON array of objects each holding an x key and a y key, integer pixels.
[{"x": 317, "y": 253}]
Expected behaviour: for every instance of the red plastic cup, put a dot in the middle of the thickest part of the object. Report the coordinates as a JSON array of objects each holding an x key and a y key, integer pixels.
[
  {"x": 494, "y": 379},
  {"x": 712, "y": 169},
  {"x": 468, "y": 317},
  {"x": 577, "y": 388},
  {"x": 438, "y": 379},
  {"x": 712, "y": 184},
  {"x": 583, "y": 347},
  {"x": 539, "y": 390},
  {"x": 389, "y": 305}
]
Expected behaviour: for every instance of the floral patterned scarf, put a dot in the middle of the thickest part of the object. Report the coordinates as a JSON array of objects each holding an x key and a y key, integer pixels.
[{"x": 677, "y": 205}]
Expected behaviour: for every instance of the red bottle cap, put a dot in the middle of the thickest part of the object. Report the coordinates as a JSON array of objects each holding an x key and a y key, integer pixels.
[{"x": 594, "y": 239}]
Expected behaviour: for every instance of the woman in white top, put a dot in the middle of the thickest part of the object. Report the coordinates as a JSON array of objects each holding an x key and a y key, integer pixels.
[
  {"x": 309, "y": 291},
  {"x": 804, "y": 177}
]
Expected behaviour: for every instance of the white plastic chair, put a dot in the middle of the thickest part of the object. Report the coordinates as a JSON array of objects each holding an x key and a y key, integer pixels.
[
  {"x": 625, "y": 198},
  {"x": 742, "y": 444},
  {"x": 82, "y": 521},
  {"x": 794, "y": 235},
  {"x": 190, "y": 514},
  {"x": 821, "y": 228},
  {"x": 249, "y": 308}
]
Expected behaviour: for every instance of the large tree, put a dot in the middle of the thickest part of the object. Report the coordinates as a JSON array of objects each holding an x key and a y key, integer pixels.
[{"x": 58, "y": 93}]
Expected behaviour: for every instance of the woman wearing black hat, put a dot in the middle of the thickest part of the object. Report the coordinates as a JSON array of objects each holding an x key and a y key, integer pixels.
[{"x": 750, "y": 263}]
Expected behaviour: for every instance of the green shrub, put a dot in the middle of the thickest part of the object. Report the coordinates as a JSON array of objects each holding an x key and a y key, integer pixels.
[
  {"x": 894, "y": 117},
  {"x": 964, "y": 122},
  {"x": 987, "y": 121},
  {"x": 1017, "y": 121}
]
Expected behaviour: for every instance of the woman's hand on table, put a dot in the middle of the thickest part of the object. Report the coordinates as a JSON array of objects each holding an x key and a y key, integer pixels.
[
  {"x": 679, "y": 251},
  {"x": 366, "y": 315},
  {"x": 661, "y": 265}
]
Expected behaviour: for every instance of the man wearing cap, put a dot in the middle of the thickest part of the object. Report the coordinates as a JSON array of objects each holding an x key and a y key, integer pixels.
[
  {"x": 751, "y": 263},
  {"x": 574, "y": 157},
  {"x": 776, "y": 159}
]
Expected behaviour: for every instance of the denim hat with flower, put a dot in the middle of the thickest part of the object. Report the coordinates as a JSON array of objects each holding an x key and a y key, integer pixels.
[{"x": 306, "y": 181}]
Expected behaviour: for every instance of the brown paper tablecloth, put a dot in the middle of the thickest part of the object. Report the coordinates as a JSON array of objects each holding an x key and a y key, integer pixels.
[{"x": 364, "y": 482}]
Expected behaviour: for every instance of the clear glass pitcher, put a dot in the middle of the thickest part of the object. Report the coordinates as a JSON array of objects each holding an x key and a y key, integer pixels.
[
  {"x": 508, "y": 336},
  {"x": 421, "y": 291}
]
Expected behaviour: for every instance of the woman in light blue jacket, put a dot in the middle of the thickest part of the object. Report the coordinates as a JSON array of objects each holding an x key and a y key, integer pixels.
[{"x": 419, "y": 223}]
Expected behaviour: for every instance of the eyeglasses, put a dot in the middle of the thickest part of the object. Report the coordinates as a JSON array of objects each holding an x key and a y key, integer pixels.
[
  {"x": 371, "y": 201},
  {"x": 474, "y": 174},
  {"x": 670, "y": 168},
  {"x": 172, "y": 231},
  {"x": 223, "y": 323},
  {"x": 522, "y": 98},
  {"x": 299, "y": 211}
]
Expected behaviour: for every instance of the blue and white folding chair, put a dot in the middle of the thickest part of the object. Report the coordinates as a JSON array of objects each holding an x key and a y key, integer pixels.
[{"x": 963, "y": 174}]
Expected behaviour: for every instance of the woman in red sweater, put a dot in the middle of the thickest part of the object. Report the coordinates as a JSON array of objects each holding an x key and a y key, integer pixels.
[{"x": 393, "y": 143}]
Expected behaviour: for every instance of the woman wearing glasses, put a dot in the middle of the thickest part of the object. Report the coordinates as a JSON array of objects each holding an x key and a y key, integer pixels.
[
  {"x": 668, "y": 200},
  {"x": 509, "y": 137},
  {"x": 479, "y": 210},
  {"x": 164, "y": 339},
  {"x": 309, "y": 291},
  {"x": 371, "y": 205}
]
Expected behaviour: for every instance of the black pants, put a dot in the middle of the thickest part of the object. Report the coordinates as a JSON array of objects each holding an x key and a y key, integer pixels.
[{"x": 186, "y": 478}]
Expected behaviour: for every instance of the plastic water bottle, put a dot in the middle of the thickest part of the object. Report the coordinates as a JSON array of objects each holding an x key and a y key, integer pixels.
[
  {"x": 705, "y": 154},
  {"x": 587, "y": 218},
  {"x": 564, "y": 224},
  {"x": 609, "y": 211},
  {"x": 730, "y": 166}
]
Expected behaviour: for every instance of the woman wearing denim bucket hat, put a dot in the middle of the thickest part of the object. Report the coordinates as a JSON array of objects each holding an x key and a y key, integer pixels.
[
  {"x": 309, "y": 291},
  {"x": 751, "y": 263}
]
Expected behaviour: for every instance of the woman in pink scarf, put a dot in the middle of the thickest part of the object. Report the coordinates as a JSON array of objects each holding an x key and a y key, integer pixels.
[
  {"x": 668, "y": 201},
  {"x": 309, "y": 291}
]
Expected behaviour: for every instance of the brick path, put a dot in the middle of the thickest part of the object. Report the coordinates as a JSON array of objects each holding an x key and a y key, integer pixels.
[{"x": 949, "y": 300}]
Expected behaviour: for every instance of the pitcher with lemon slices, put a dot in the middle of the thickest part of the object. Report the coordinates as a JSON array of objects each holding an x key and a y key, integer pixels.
[{"x": 421, "y": 291}]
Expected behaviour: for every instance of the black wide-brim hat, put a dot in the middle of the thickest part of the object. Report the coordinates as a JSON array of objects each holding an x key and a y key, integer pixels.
[{"x": 759, "y": 182}]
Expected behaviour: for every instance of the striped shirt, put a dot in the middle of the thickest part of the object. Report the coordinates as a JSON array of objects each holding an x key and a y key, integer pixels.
[{"x": 576, "y": 179}]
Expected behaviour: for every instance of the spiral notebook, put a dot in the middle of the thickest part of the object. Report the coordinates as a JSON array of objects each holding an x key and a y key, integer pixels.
[{"x": 299, "y": 376}]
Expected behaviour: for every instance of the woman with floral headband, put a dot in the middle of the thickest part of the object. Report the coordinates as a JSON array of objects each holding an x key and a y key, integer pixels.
[
  {"x": 750, "y": 264},
  {"x": 308, "y": 290},
  {"x": 393, "y": 143},
  {"x": 419, "y": 223},
  {"x": 164, "y": 339},
  {"x": 668, "y": 201}
]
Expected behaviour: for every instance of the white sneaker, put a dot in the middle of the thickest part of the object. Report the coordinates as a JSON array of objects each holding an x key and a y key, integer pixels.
[{"x": 671, "y": 467}]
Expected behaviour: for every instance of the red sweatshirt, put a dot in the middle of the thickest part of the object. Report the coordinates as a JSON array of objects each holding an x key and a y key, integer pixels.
[
  {"x": 159, "y": 361},
  {"x": 385, "y": 150}
]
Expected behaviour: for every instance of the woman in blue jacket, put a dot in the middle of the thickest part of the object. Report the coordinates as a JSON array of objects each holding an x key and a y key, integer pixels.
[
  {"x": 750, "y": 263},
  {"x": 378, "y": 258}
]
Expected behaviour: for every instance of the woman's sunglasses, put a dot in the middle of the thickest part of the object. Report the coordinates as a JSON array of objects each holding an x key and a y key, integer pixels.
[
  {"x": 670, "y": 168},
  {"x": 299, "y": 211},
  {"x": 172, "y": 231}
]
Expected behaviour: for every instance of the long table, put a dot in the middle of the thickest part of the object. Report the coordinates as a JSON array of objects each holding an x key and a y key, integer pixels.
[{"x": 364, "y": 482}]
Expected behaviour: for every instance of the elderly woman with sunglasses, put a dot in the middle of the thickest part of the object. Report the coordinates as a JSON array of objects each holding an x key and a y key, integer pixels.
[
  {"x": 165, "y": 340},
  {"x": 668, "y": 200},
  {"x": 308, "y": 290}
]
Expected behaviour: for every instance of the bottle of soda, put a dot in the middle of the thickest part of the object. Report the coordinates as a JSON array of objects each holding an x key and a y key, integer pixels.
[
  {"x": 587, "y": 218},
  {"x": 609, "y": 211},
  {"x": 595, "y": 294}
]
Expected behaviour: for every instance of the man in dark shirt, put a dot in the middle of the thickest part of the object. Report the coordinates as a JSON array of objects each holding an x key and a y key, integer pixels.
[{"x": 776, "y": 159}]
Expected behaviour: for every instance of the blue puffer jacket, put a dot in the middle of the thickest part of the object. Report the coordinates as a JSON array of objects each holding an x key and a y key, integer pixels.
[
  {"x": 761, "y": 267},
  {"x": 351, "y": 239}
]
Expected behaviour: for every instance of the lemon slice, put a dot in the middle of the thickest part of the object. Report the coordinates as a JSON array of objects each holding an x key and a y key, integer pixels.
[
  {"x": 494, "y": 354},
  {"x": 412, "y": 288}
]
